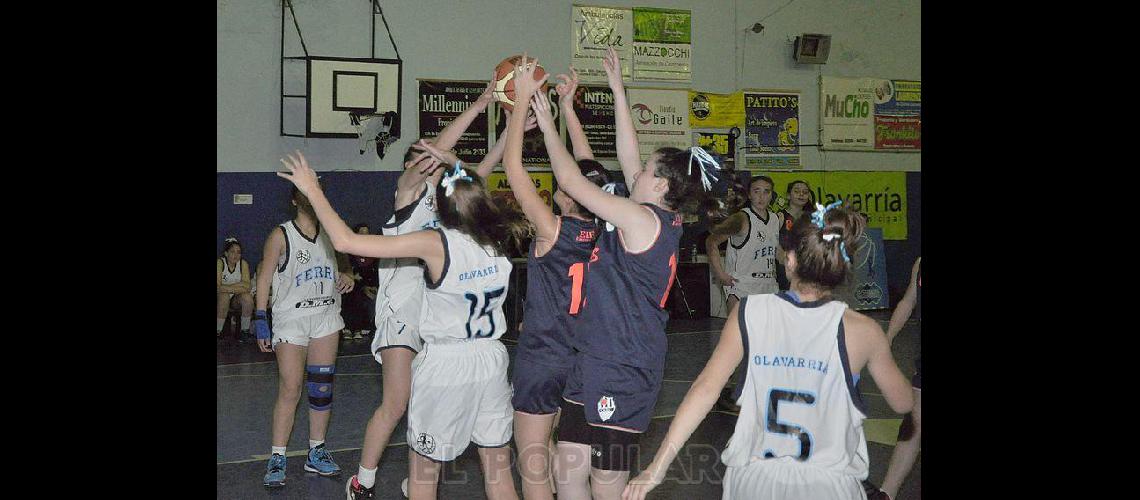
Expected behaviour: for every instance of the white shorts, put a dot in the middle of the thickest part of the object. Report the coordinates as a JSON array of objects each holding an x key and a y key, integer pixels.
[
  {"x": 460, "y": 395},
  {"x": 391, "y": 331},
  {"x": 775, "y": 480},
  {"x": 745, "y": 288},
  {"x": 301, "y": 330}
]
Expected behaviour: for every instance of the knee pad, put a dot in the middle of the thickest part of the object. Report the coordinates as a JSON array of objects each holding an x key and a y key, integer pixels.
[{"x": 320, "y": 386}]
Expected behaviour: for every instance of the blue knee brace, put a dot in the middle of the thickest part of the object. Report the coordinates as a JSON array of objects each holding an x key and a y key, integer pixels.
[{"x": 320, "y": 386}]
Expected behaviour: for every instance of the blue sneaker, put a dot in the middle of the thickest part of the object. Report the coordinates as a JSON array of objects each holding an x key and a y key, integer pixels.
[
  {"x": 321, "y": 463},
  {"x": 275, "y": 476}
]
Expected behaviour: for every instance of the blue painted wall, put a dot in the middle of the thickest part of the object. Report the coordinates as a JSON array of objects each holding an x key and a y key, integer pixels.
[{"x": 356, "y": 196}]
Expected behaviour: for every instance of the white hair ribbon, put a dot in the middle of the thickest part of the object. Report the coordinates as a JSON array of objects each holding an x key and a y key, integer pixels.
[
  {"x": 705, "y": 161},
  {"x": 449, "y": 178}
]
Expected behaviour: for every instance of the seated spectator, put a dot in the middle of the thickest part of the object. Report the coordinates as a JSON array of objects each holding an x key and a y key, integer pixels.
[
  {"x": 360, "y": 305},
  {"x": 234, "y": 286}
]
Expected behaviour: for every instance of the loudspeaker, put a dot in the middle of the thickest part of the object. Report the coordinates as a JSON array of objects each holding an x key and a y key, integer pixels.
[{"x": 811, "y": 48}]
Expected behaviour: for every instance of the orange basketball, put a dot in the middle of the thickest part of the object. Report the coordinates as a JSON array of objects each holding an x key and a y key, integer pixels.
[{"x": 504, "y": 81}]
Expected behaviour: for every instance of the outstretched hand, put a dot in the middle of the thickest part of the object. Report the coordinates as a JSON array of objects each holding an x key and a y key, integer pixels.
[
  {"x": 525, "y": 84},
  {"x": 300, "y": 174},
  {"x": 445, "y": 157},
  {"x": 541, "y": 107},
  {"x": 567, "y": 87},
  {"x": 612, "y": 64},
  {"x": 488, "y": 94}
]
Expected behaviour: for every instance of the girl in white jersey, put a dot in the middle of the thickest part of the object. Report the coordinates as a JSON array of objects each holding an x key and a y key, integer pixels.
[
  {"x": 300, "y": 263},
  {"x": 800, "y": 431},
  {"x": 749, "y": 263},
  {"x": 234, "y": 283},
  {"x": 459, "y": 390},
  {"x": 400, "y": 294}
]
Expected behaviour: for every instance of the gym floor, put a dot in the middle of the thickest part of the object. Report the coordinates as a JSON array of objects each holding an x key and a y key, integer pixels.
[{"x": 247, "y": 388}]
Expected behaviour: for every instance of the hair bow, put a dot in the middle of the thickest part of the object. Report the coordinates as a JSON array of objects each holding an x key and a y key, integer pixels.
[
  {"x": 820, "y": 211},
  {"x": 449, "y": 178}
]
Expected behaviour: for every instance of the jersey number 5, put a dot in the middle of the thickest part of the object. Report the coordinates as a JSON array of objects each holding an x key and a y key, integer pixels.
[
  {"x": 488, "y": 296},
  {"x": 776, "y": 427}
]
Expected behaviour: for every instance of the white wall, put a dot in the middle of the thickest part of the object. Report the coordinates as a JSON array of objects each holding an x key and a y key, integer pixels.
[{"x": 465, "y": 39}]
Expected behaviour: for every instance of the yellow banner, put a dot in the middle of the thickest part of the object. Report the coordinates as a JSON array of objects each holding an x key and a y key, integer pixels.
[
  {"x": 880, "y": 195},
  {"x": 543, "y": 181},
  {"x": 716, "y": 110}
]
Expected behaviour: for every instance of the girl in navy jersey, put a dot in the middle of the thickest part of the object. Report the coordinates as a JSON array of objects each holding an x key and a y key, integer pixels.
[
  {"x": 800, "y": 431},
  {"x": 619, "y": 334},
  {"x": 556, "y": 266},
  {"x": 459, "y": 389}
]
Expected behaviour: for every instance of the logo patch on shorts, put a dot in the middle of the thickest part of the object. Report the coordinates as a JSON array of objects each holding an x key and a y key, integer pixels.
[
  {"x": 606, "y": 407},
  {"x": 426, "y": 443},
  {"x": 303, "y": 256}
]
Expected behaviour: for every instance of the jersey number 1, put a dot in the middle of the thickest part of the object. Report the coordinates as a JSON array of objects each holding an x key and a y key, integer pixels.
[{"x": 577, "y": 273}]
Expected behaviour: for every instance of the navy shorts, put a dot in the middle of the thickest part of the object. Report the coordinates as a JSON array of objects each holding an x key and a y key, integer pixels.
[
  {"x": 612, "y": 394},
  {"x": 538, "y": 386}
]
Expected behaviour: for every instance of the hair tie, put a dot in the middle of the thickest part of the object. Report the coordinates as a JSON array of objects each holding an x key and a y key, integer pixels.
[
  {"x": 704, "y": 161},
  {"x": 450, "y": 178},
  {"x": 820, "y": 211},
  {"x": 231, "y": 239},
  {"x": 843, "y": 251}
]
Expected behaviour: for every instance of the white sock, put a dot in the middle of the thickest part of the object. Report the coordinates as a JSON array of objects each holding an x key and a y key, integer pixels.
[
  {"x": 245, "y": 323},
  {"x": 366, "y": 477},
  {"x": 278, "y": 450},
  {"x": 221, "y": 321},
  {"x": 314, "y": 444}
]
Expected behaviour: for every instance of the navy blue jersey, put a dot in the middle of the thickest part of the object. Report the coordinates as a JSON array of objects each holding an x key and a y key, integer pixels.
[
  {"x": 623, "y": 317},
  {"x": 554, "y": 292}
]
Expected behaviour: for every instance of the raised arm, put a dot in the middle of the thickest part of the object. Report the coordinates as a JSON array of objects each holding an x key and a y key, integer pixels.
[
  {"x": 425, "y": 245},
  {"x": 449, "y": 136},
  {"x": 698, "y": 402},
  {"x": 719, "y": 234},
  {"x": 545, "y": 223},
  {"x": 495, "y": 155},
  {"x": 566, "y": 90},
  {"x": 412, "y": 182},
  {"x": 638, "y": 224},
  {"x": 628, "y": 156},
  {"x": 905, "y": 306}
]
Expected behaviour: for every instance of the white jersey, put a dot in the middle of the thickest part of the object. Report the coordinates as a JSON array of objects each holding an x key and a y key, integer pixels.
[
  {"x": 304, "y": 282},
  {"x": 230, "y": 277},
  {"x": 467, "y": 302},
  {"x": 751, "y": 258},
  {"x": 402, "y": 280},
  {"x": 799, "y": 413}
]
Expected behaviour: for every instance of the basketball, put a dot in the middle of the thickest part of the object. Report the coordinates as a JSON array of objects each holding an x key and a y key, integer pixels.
[{"x": 504, "y": 81}]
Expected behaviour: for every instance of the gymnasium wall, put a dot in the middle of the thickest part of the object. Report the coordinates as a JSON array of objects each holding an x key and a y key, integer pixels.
[{"x": 464, "y": 40}]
